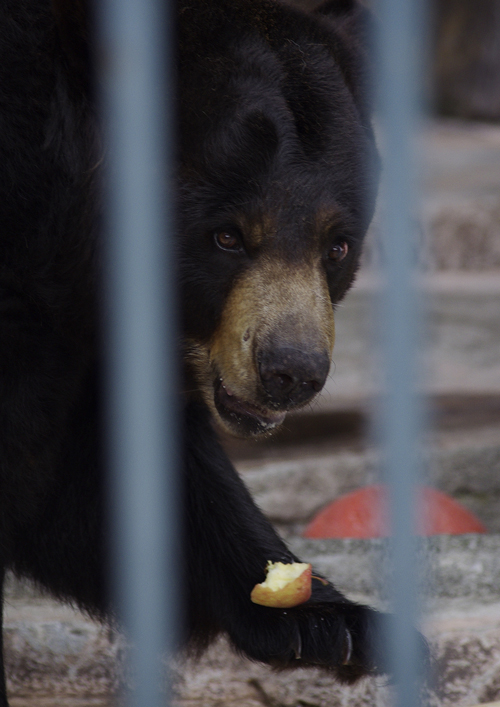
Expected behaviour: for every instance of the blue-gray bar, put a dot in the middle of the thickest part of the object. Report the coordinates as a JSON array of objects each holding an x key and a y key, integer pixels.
[
  {"x": 135, "y": 70},
  {"x": 399, "y": 55}
]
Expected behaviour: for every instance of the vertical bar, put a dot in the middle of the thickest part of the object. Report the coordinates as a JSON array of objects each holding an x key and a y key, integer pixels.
[
  {"x": 399, "y": 92},
  {"x": 135, "y": 41}
]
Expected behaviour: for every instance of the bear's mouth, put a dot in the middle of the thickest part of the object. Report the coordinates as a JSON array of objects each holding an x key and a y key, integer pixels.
[{"x": 242, "y": 417}]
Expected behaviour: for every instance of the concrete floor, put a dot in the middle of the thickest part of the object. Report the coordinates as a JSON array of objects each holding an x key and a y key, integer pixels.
[{"x": 58, "y": 656}]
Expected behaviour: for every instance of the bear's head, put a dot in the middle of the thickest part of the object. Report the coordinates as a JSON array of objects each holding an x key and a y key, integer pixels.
[{"x": 277, "y": 175}]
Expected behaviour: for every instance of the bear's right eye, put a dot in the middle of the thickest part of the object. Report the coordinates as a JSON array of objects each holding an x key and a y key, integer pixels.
[{"x": 228, "y": 239}]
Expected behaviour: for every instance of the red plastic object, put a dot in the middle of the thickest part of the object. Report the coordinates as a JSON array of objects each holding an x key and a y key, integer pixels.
[{"x": 364, "y": 514}]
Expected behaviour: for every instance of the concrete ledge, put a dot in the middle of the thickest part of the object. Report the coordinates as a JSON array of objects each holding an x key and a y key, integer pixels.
[
  {"x": 53, "y": 652},
  {"x": 57, "y": 656},
  {"x": 457, "y": 571},
  {"x": 291, "y": 489},
  {"x": 466, "y": 651},
  {"x": 459, "y": 210},
  {"x": 460, "y": 351}
]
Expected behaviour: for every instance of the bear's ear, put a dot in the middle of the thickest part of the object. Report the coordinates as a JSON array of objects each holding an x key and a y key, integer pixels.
[
  {"x": 352, "y": 18},
  {"x": 354, "y": 25},
  {"x": 72, "y": 19}
]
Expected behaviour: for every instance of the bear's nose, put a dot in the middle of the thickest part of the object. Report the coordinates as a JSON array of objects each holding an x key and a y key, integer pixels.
[{"x": 293, "y": 376}]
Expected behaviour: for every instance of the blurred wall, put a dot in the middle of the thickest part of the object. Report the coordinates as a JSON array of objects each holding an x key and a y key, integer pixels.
[
  {"x": 467, "y": 58},
  {"x": 465, "y": 61}
]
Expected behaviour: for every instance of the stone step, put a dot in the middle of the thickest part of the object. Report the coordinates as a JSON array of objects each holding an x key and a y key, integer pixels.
[
  {"x": 458, "y": 210},
  {"x": 292, "y": 482},
  {"x": 460, "y": 159},
  {"x": 57, "y": 656},
  {"x": 460, "y": 340},
  {"x": 459, "y": 249}
]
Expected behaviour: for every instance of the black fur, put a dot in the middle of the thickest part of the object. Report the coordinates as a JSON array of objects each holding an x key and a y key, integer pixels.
[
  {"x": 273, "y": 117},
  {"x": 229, "y": 548}
]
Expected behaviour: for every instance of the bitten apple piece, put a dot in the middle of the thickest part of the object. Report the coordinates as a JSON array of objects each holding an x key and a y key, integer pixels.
[{"x": 285, "y": 585}]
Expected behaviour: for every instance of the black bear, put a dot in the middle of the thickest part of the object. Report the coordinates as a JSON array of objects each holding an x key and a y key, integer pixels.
[{"x": 277, "y": 166}]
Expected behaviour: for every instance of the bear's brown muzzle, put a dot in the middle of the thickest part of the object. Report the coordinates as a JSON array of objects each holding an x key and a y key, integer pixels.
[{"x": 271, "y": 350}]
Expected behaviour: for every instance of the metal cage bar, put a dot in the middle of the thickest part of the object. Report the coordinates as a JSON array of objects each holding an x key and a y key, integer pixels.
[
  {"x": 399, "y": 52},
  {"x": 135, "y": 62}
]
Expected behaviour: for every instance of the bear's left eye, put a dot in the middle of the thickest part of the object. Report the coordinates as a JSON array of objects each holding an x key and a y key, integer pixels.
[
  {"x": 228, "y": 239},
  {"x": 338, "y": 252}
]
